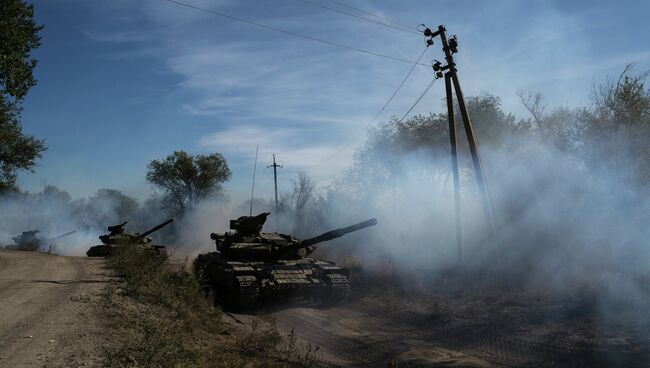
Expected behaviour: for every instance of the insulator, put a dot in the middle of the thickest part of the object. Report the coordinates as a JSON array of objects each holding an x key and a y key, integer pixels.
[{"x": 453, "y": 44}]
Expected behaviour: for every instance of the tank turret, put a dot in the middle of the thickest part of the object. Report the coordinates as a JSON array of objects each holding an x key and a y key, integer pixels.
[
  {"x": 250, "y": 225},
  {"x": 248, "y": 242},
  {"x": 249, "y": 264},
  {"x": 333, "y": 234},
  {"x": 117, "y": 229},
  {"x": 118, "y": 237},
  {"x": 28, "y": 240}
]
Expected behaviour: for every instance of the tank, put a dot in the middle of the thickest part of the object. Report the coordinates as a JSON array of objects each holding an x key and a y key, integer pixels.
[
  {"x": 250, "y": 264},
  {"x": 28, "y": 240},
  {"x": 117, "y": 237}
]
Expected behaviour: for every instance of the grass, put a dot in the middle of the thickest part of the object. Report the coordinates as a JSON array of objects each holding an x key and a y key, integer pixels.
[{"x": 163, "y": 320}]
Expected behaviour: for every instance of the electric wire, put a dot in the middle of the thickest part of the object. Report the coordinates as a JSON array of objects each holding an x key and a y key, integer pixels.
[
  {"x": 433, "y": 81},
  {"x": 356, "y": 138},
  {"x": 368, "y": 13},
  {"x": 417, "y": 101},
  {"x": 399, "y": 28},
  {"x": 295, "y": 34}
]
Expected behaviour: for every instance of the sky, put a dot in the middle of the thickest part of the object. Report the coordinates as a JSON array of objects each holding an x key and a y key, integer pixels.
[{"x": 123, "y": 82}]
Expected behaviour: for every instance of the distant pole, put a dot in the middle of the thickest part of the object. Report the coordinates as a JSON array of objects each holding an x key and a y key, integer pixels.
[
  {"x": 275, "y": 180},
  {"x": 250, "y": 213}
]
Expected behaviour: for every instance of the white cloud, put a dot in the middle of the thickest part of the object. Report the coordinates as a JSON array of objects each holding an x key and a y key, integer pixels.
[{"x": 306, "y": 101}]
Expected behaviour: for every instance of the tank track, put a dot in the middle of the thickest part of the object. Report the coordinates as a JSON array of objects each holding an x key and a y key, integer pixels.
[
  {"x": 245, "y": 291},
  {"x": 338, "y": 287}
]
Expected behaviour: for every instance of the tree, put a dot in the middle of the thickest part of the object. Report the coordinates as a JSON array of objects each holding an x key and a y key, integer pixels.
[
  {"x": 19, "y": 37},
  {"x": 617, "y": 128},
  {"x": 303, "y": 191},
  {"x": 52, "y": 193},
  {"x": 534, "y": 103},
  {"x": 186, "y": 179},
  {"x": 17, "y": 150}
]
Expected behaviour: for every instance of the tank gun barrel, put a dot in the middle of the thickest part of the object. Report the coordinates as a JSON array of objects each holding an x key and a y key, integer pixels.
[
  {"x": 155, "y": 228},
  {"x": 337, "y": 233},
  {"x": 61, "y": 236}
]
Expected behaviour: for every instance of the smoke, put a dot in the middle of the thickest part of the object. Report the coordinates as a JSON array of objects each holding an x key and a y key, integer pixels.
[
  {"x": 54, "y": 212},
  {"x": 210, "y": 215},
  {"x": 571, "y": 219}
]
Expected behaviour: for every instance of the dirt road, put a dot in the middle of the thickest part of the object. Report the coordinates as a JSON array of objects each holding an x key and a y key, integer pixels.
[
  {"x": 362, "y": 332},
  {"x": 48, "y": 310}
]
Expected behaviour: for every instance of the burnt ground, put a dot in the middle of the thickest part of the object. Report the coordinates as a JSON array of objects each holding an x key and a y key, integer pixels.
[{"x": 486, "y": 328}]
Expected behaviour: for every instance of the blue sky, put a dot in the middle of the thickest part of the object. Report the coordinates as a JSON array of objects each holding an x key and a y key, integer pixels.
[{"x": 123, "y": 82}]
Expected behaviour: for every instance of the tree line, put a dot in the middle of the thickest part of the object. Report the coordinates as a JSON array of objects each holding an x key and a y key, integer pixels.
[{"x": 606, "y": 142}]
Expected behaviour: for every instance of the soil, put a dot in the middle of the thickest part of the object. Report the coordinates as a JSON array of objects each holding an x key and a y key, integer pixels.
[
  {"x": 50, "y": 310},
  {"x": 492, "y": 329},
  {"x": 53, "y": 314}
]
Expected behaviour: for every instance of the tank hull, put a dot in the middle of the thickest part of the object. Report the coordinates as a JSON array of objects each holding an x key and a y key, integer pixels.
[
  {"x": 104, "y": 250},
  {"x": 243, "y": 284}
]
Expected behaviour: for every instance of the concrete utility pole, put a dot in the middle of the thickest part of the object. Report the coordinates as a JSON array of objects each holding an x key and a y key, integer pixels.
[
  {"x": 450, "y": 47},
  {"x": 275, "y": 181}
]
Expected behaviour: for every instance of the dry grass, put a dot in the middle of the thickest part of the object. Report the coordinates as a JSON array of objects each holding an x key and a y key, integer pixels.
[{"x": 163, "y": 320}]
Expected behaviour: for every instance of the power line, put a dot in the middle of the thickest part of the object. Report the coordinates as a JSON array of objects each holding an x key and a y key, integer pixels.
[
  {"x": 417, "y": 101},
  {"x": 399, "y": 28},
  {"x": 399, "y": 87},
  {"x": 376, "y": 115},
  {"x": 368, "y": 13},
  {"x": 299, "y": 35},
  {"x": 433, "y": 81}
]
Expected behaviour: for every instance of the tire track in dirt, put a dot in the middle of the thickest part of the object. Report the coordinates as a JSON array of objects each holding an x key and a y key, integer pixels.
[
  {"x": 365, "y": 340},
  {"x": 382, "y": 335}
]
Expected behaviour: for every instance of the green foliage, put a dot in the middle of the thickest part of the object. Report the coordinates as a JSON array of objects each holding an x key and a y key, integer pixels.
[
  {"x": 19, "y": 36},
  {"x": 17, "y": 150},
  {"x": 186, "y": 179},
  {"x": 616, "y": 128},
  {"x": 379, "y": 160},
  {"x": 121, "y": 205},
  {"x": 490, "y": 122}
]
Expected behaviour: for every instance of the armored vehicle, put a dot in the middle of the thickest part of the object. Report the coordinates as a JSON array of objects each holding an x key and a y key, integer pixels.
[
  {"x": 28, "y": 240},
  {"x": 117, "y": 237},
  {"x": 250, "y": 264}
]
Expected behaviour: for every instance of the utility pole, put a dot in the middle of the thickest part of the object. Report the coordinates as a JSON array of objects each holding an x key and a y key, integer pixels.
[
  {"x": 275, "y": 181},
  {"x": 250, "y": 213},
  {"x": 454, "y": 166},
  {"x": 450, "y": 47}
]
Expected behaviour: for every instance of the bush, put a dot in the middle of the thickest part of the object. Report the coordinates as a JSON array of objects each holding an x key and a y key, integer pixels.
[{"x": 166, "y": 321}]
